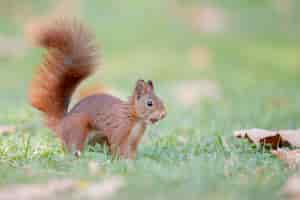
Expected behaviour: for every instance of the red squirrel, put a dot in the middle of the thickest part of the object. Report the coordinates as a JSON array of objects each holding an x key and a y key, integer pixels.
[{"x": 71, "y": 57}]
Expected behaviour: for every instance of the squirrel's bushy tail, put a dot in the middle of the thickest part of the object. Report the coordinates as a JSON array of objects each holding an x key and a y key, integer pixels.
[{"x": 71, "y": 57}]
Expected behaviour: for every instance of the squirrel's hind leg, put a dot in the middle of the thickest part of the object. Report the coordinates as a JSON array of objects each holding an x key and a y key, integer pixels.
[{"x": 73, "y": 131}]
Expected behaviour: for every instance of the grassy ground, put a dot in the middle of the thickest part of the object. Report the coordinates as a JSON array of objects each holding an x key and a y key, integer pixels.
[{"x": 191, "y": 154}]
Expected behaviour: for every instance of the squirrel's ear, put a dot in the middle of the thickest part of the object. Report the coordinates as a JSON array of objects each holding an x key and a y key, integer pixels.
[
  {"x": 140, "y": 88},
  {"x": 150, "y": 84}
]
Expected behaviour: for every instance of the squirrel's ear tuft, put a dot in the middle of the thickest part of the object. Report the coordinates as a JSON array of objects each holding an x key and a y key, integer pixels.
[
  {"x": 140, "y": 88},
  {"x": 150, "y": 84}
]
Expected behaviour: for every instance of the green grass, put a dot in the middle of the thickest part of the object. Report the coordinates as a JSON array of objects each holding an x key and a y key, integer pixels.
[{"x": 192, "y": 153}]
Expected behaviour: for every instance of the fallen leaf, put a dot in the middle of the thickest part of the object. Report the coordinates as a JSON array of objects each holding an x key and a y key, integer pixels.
[
  {"x": 291, "y": 136},
  {"x": 4, "y": 129},
  {"x": 274, "y": 138},
  {"x": 291, "y": 189},
  {"x": 259, "y": 136},
  {"x": 192, "y": 92},
  {"x": 290, "y": 157}
]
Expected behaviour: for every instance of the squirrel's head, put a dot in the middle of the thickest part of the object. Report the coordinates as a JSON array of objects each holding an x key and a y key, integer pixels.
[{"x": 148, "y": 106}]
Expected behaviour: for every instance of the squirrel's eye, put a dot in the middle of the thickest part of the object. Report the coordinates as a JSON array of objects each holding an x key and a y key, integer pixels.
[{"x": 149, "y": 103}]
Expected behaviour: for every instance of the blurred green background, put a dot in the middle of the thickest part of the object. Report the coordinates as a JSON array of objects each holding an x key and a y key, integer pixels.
[{"x": 220, "y": 65}]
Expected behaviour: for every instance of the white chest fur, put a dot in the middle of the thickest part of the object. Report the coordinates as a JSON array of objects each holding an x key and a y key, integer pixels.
[{"x": 136, "y": 132}]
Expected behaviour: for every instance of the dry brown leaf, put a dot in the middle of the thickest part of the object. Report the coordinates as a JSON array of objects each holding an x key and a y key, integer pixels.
[
  {"x": 60, "y": 189},
  {"x": 4, "y": 129},
  {"x": 259, "y": 136},
  {"x": 290, "y": 157},
  {"x": 291, "y": 189},
  {"x": 291, "y": 136},
  {"x": 274, "y": 138},
  {"x": 189, "y": 93}
]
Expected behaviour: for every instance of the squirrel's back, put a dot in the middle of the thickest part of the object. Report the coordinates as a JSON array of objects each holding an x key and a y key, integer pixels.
[{"x": 70, "y": 58}]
